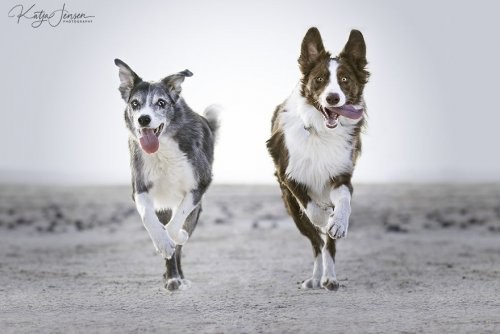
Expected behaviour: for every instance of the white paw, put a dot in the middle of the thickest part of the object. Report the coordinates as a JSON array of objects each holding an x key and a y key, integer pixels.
[
  {"x": 182, "y": 237},
  {"x": 185, "y": 284},
  {"x": 164, "y": 245},
  {"x": 336, "y": 228},
  {"x": 330, "y": 283},
  {"x": 311, "y": 283},
  {"x": 173, "y": 284}
]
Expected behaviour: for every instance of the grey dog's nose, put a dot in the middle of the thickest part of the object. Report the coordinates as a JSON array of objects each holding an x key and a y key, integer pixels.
[
  {"x": 144, "y": 120},
  {"x": 333, "y": 99}
]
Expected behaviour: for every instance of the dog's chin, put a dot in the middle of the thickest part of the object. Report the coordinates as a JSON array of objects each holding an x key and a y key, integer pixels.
[{"x": 149, "y": 138}]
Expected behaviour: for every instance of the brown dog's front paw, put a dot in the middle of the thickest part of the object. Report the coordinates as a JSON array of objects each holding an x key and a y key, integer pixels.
[
  {"x": 330, "y": 283},
  {"x": 336, "y": 228},
  {"x": 311, "y": 283}
]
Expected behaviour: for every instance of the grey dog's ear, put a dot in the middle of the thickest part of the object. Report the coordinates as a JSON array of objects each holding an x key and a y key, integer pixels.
[
  {"x": 174, "y": 81},
  {"x": 128, "y": 79}
]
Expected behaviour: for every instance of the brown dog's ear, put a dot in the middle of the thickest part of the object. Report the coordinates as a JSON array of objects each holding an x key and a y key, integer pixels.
[
  {"x": 312, "y": 47},
  {"x": 355, "y": 49},
  {"x": 174, "y": 81},
  {"x": 128, "y": 79}
]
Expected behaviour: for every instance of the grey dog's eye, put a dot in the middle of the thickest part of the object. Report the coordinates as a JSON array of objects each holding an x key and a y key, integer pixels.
[
  {"x": 161, "y": 103},
  {"x": 134, "y": 104}
]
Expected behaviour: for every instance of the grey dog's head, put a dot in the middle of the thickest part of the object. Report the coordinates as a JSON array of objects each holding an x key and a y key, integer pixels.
[{"x": 151, "y": 106}]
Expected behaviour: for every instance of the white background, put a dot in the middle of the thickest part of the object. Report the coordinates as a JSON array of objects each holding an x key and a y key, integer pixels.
[{"x": 433, "y": 114}]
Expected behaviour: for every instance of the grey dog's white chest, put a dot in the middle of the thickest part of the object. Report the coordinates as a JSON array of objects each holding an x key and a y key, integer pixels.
[{"x": 170, "y": 174}]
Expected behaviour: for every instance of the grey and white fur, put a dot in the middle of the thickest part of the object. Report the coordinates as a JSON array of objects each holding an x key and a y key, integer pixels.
[{"x": 171, "y": 156}]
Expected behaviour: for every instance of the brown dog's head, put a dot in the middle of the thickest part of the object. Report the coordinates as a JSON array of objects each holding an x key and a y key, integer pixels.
[{"x": 334, "y": 86}]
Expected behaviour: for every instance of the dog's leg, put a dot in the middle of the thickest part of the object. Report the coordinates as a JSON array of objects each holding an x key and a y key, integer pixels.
[
  {"x": 318, "y": 216},
  {"x": 161, "y": 239},
  {"x": 309, "y": 230},
  {"x": 337, "y": 226},
  {"x": 329, "y": 279},
  {"x": 314, "y": 281},
  {"x": 189, "y": 226},
  {"x": 175, "y": 226},
  {"x": 338, "y": 222},
  {"x": 172, "y": 277}
]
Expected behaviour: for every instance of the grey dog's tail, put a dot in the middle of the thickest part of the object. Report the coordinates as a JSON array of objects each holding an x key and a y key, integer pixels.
[{"x": 212, "y": 115}]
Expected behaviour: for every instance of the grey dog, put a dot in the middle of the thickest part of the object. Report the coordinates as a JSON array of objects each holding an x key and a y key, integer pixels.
[{"x": 171, "y": 156}]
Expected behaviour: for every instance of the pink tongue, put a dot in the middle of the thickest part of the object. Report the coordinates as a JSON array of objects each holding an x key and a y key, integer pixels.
[
  {"x": 149, "y": 141},
  {"x": 349, "y": 111}
]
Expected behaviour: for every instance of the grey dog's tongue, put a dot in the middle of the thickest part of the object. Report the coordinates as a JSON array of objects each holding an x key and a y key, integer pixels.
[
  {"x": 149, "y": 141},
  {"x": 348, "y": 111}
]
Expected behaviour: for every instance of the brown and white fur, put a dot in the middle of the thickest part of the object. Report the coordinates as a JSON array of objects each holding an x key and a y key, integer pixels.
[{"x": 315, "y": 149}]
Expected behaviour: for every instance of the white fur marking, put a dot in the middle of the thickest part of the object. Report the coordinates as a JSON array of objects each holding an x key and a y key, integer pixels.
[
  {"x": 328, "y": 267},
  {"x": 315, "y": 281},
  {"x": 318, "y": 268},
  {"x": 314, "y": 158},
  {"x": 172, "y": 179},
  {"x": 170, "y": 173},
  {"x": 156, "y": 119},
  {"x": 160, "y": 237},
  {"x": 333, "y": 87},
  {"x": 339, "y": 221},
  {"x": 174, "y": 227},
  {"x": 318, "y": 215}
]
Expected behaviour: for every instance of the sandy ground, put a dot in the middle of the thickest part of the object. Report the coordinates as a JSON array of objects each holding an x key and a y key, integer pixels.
[{"x": 417, "y": 259}]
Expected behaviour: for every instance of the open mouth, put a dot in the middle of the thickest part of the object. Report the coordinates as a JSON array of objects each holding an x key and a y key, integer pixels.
[
  {"x": 331, "y": 117},
  {"x": 149, "y": 139},
  {"x": 332, "y": 114},
  {"x": 158, "y": 130},
  {"x": 151, "y": 131}
]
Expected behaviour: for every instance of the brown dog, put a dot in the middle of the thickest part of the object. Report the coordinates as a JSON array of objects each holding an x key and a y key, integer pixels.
[{"x": 315, "y": 143}]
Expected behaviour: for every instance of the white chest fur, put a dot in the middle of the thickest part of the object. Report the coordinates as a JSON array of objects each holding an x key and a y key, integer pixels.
[
  {"x": 170, "y": 173},
  {"x": 315, "y": 155}
]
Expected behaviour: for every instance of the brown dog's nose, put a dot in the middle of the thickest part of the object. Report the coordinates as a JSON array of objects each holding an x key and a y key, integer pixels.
[{"x": 333, "y": 98}]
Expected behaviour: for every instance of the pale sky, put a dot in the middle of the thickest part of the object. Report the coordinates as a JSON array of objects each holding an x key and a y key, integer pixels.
[{"x": 431, "y": 97}]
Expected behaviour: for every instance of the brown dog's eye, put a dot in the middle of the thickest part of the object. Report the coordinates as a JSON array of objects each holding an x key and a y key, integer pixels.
[
  {"x": 343, "y": 79},
  {"x": 161, "y": 103},
  {"x": 319, "y": 79}
]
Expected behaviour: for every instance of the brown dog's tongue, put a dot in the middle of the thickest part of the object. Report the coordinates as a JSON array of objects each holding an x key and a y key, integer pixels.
[
  {"x": 349, "y": 111},
  {"x": 149, "y": 141}
]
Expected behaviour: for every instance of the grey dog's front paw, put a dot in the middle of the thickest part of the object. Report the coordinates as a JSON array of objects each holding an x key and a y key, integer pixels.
[
  {"x": 175, "y": 283},
  {"x": 164, "y": 245}
]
